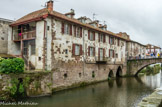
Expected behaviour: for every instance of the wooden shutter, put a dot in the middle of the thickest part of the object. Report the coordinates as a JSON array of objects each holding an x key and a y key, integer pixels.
[
  {"x": 94, "y": 51},
  {"x": 80, "y": 49},
  {"x": 103, "y": 38},
  {"x": 73, "y": 49},
  {"x": 70, "y": 29},
  {"x": 99, "y": 37},
  {"x": 62, "y": 28},
  {"x": 88, "y": 51},
  {"x": 94, "y": 36},
  {"x": 89, "y": 34},
  {"x": 104, "y": 53},
  {"x": 118, "y": 42},
  {"x": 80, "y": 31},
  {"x": 75, "y": 31},
  {"x": 98, "y": 53}
]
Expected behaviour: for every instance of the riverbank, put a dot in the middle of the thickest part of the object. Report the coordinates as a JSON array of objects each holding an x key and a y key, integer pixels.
[{"x": 153, "y": 100}]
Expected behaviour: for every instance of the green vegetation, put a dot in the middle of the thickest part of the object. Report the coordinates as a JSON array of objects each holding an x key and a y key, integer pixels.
[
  {"x": 17, "y": 88},
  {"x": 151, "y": 69},
  {"x": 15, "y": 65}
]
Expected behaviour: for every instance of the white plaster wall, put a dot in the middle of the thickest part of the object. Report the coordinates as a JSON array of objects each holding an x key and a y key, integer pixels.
[
  {"x": 39, "y": 44},
  {"x": 13, "y": 47}
]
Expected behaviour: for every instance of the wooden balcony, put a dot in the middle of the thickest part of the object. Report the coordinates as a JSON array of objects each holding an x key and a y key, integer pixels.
[
  {"x": 25, "y": 36},
  {"x": 101, "y": 60}
]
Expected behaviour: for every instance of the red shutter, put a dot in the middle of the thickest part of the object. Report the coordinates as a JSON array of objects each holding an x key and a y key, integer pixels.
[
  {"x": 113, "y": 53},
  {"x": 94, "y": 36},
  {"x": 109, "y": 52},
  {"x": 62, "y": 28},
  {"x": 70, "y": 29},
  {"x": 98, "y": 53},
  {"x": 88, "y": 51},
  {"x": 80, "y": 32},
  {"x": 75, "y": 31},
  {"x": 104, "y": 52},
  {"x": 104, "y": 38},
  {"x": 89, "y": 34},
  {"x": 93, "y": 51},
  {"x": 99, "y": 37},
  {"x": 73, "y": 49},
  {"x": 80, "y": 49}
]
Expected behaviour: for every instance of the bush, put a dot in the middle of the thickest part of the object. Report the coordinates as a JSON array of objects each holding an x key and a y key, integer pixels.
[{"x": 15, "y": 65}]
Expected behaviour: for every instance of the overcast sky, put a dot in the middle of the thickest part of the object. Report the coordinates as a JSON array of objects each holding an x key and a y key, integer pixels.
[{"x": 141, "y": 19}]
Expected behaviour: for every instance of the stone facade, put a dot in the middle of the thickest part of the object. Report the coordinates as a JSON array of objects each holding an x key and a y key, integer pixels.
[
  {"x": 38, "y": 84},
  {"x": 4, "y": 31}
]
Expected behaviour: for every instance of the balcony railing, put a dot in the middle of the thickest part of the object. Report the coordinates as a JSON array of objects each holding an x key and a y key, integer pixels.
[
  {"x": 101, "y": 59},
  {"x": 25, "y": 36}
]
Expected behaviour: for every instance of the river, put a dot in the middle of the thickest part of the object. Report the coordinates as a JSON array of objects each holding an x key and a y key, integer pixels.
[{"x": 121, "y": 92}]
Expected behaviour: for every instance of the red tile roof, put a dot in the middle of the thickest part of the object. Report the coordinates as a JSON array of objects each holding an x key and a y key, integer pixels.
[{"x": 38, "y": 15}]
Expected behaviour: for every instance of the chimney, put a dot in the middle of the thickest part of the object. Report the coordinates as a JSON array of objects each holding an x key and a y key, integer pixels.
[{"x": 50, "y": 5}]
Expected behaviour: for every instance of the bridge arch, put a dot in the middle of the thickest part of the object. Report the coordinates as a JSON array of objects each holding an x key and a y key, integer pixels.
[
  {"x": 139, "y": 70},
  {"x": 119, "y": 72},
  {"x": 111, "y": 74},
  {"x": 136, "y": 65}
]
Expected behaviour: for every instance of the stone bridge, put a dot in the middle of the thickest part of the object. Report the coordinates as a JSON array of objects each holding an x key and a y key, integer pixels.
[{"x": 136, "y": 65}]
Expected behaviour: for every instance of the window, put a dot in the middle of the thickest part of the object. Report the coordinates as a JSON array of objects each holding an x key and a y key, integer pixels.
[
  {"x": 111, "y": 53},
  {"x": 78, "y": 32},
  {"x": 91, "y": 35},
  {"x": 102, "y": 38},
  {"x": 66, "y": 51},
  {"x": 111, "y": 40},
  {"x": 66, "y": 30},
  {"x": 77, "y": 49},
  {"x": 32, "y": 43},
  {"x": 25, "y": 48},
  {"x": 91, "y": 51}
]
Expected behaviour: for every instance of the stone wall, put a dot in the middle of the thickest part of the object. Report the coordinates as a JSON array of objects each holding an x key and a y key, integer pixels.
[
  {"x": 4, "y": 29},
  {"x": 35, "y": 84},
  {"x": 71, "y": 74}
]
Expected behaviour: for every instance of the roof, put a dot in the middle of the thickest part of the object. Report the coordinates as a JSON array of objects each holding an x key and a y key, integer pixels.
[
  {"x": 6, "y": 20},
  {"x": 38, "y": 15},
  {"x": 138, "y": 43}
]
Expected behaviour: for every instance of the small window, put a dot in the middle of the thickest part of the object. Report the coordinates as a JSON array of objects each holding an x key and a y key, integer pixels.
[
  {"x": 65, "y": 76},
  {"x": 39, "y": 58},
  {"x": 80, "y": 74},
  {"x": 66, "y": 51},
  {"x": 93, "y": 74},
  {"x": 48, "y": 27}
]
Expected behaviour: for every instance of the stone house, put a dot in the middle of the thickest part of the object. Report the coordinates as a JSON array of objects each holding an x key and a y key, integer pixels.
[
  {"x": 152, "y": 49},
  {"x": 75, "y": 50},
  {"x": 4, "y": 30},
  {"x": 133, "y": 49}
]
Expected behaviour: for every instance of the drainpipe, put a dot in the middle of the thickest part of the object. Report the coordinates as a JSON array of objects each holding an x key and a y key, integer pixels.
[
  {"x": 83, "y": 52},
  {"x": 44, "y": 44}
]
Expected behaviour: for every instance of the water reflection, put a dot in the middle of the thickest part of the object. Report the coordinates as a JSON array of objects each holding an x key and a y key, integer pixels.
[{"x": 122, "y": 92}]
